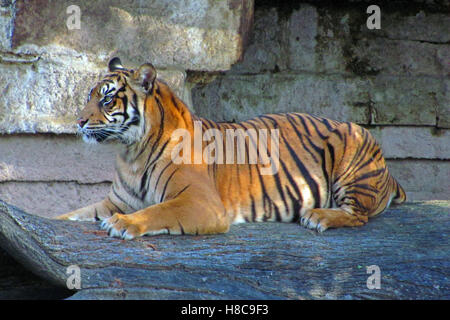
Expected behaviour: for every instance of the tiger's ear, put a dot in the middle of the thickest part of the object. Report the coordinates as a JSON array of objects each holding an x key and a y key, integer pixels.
[
  {"x": 115, "y": 64},
  {"x": 145, "y": 77}
]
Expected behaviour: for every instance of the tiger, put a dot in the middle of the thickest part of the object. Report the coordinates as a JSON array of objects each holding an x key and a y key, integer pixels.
[{"x": 330, "y": 174}]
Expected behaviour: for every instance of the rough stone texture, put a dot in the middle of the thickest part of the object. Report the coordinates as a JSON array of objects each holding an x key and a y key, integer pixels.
[
  {"x": 240, "y": 97},
  {"x": 377, "y": 100},
  {"x": 402, "y": 57},
  {"x": 406, "y": 101},
  {"x": 414, "y": 23},
  {"x": 50, "y": 158},
  {"x": 6, "y": 25},
  {"x": 335, "y": 39},
  {"x": 413, "y": 142},
  {"x": 197, "y": 35},
  {"x": 443, "y": 113},
  {"x": 264, "y": 49},
  {"x": 76, "y": 174},
  {"x": 243, "y": 264},
  {"x": 401, "y": 77},
  {"x": 52, "y": 198},
  {"x": 302, "y": 38},
  {"x": 422, "y": 179}
]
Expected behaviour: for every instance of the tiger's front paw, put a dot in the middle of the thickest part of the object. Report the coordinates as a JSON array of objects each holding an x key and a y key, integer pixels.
[
  {"x": 121, "y": 226},
  {"x": 315, "y": 220}
]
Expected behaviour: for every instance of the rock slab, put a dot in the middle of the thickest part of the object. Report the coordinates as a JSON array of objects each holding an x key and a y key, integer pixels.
[{"x": 408, "y": 243}]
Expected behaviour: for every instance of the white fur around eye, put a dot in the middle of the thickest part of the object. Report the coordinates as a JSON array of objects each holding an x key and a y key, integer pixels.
[{"x": 104, "y": 89}]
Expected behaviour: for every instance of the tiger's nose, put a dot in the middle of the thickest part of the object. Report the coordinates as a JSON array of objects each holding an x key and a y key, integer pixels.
[{"x": 81, "y": 122}]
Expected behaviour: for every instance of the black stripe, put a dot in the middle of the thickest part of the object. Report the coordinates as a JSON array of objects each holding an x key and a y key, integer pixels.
[
  {"x": 126, "y": 186},
  {"x": 277, "y": 175},
  {"x": 181, "y": 228},
  {"x": 356, "y": 158},
  {"x": 253, "y": 208},
  {"x": 161, "y": 173},
  {"x": 295, "y": 206},
  {"x": 175, "y": 104},
  {"x": 181, "y": 191},
  {"x": 365, "y": 187},
  {"x": 302, "y": 120},
  {"x": 271, "y": 203},
  {"x": 370, "y": 174},
  {"x": 309, "y": 180},
  {"x": 158, "y": 156},
  {"x": 360, "y": 193},
  {"x": 120, "y": 198},
  {"x": 160, "y": 133},
  {"x": 291, "y": 181},
  {"x": 247, "y": 149},
  {"x": 332, "y": 155},
  {"x": 356, "y": 203},
  {"x": 358, "y": 167},
  {"x": 144, "y": 177},
  {"x": 144, "y": 147},
  {"x": 300, "y": 137},
  {"x": 165, "y": 186},
  {"x": 317, "y": 129},
  {"x": 96, "y": 215}
]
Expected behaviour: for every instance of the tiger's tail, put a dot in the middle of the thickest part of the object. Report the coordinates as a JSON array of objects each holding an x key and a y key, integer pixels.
[{"x": 400, "y": 195}]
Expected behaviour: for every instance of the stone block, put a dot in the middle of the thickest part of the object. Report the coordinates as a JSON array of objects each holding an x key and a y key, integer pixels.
[
  {"x": 333, "y": 39},
  {"x": 50, "y": 158},
  {"x": 6, "y": 25},
  {"x": 266, "y": 46},
  {"x": 379, "y": 100},
  {"x": 302, "y": 33},
  {"x": 49, "y": 199},
  {"x": 303, "y": 40},
  {"x": 400, "y": 57},
  {"x": 443, "y": 112},
  {"x": 416, "y": 26},
  {"x": 196, "y": 35},
  {"x": 405, "y": 100},
  {"x": 240, "y": 97},
  {"x": 413, "y": 142},
  {"x": 422, "y": 179}
]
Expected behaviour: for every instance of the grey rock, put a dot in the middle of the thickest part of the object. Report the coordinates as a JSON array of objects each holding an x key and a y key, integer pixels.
[
  {"x": 293, "y": 263},
  {"x": 197, "y": 35},
  {"x": 240, "y": 97}
]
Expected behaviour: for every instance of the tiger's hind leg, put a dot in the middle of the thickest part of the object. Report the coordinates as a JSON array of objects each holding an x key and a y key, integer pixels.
[
  {"x": 362, "y": 186},
  {"x": 321, "y": 219}
]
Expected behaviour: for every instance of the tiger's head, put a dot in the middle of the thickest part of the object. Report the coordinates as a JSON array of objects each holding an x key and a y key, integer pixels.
[{"x": 114, "y": 106}]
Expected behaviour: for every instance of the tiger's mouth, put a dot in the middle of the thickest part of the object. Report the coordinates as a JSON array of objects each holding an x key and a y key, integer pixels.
[
  {"x": 97, "y": 135},
  {"x": 94, "y": 135}
]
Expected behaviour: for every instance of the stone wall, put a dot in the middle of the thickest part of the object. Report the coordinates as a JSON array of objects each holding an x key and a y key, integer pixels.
[
  {"x": 320, "y": 58},
  {"x": 312, "y": 56},
  {"x": 47, "y": 69}
]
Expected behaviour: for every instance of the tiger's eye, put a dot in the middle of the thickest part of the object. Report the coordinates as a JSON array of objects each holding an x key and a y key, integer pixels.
[{"x": 107, "y": 100}]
